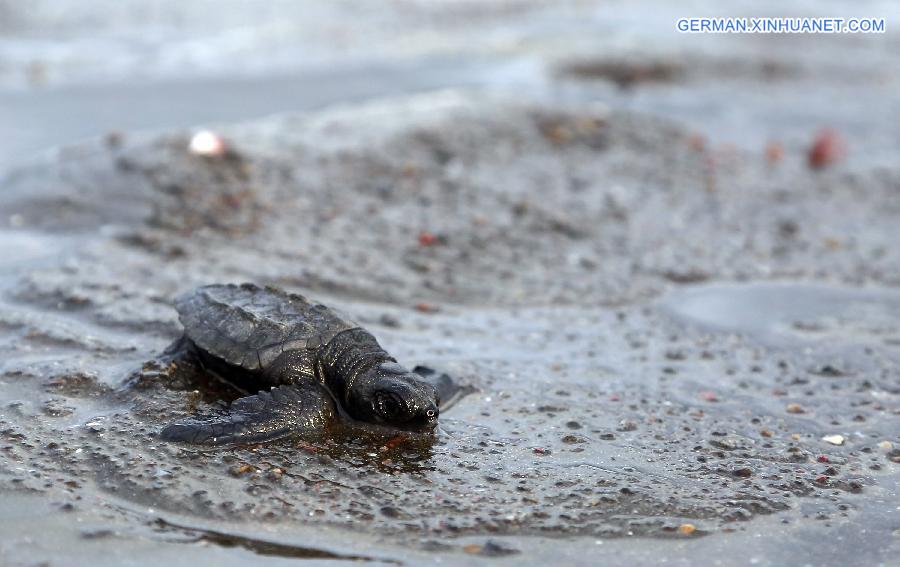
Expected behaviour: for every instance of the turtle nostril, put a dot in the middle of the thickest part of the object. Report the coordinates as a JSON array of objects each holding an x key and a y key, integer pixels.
[{"x": 430, "y": 414}]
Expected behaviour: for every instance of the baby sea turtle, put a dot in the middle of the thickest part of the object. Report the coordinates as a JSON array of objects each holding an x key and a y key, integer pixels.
[{"x": 317, "y": 363}]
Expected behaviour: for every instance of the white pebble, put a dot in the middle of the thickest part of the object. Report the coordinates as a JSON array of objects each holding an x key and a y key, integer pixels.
[{"x": 206, "y": 143}]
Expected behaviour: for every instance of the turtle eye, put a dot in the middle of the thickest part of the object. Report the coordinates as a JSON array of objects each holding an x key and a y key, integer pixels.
[{"x": 389, "y": 406}]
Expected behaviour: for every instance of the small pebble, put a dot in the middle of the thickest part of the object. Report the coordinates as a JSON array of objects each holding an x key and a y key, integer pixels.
[
  {"x": 472, "y": 548},
  {"x": 834, "y": 439},
  {"x": 114, "y": 138},
  {"x": 774, "y": 152},
  {"x": 241, "y": 469},
  {"x": 697, "y": 142},
  {"x": 489, "y": 549},
  {"x": 827, "y": 148},
  {"x": 427, "y": 239},
  {"x": 795, "y": 408},
  {"x": 207, "y": 143},
  {"x": 389, "y": 321}
]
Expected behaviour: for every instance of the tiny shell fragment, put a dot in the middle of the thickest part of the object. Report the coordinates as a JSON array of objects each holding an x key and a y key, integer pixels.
[
  {"x": 207, "y": 143},
  {"x": 834, "y": 439}
]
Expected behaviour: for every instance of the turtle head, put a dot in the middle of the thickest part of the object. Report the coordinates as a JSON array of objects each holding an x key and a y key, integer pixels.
[{"x": 392, "y": 395}]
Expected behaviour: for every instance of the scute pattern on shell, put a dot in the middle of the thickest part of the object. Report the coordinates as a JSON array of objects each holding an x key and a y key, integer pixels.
[{"x": 249, "y": 326}]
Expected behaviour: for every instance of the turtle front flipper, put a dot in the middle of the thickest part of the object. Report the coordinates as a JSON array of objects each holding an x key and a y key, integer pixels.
[
  {"x": 449, "y": 390},
  {"x": 254, "y": 419}
]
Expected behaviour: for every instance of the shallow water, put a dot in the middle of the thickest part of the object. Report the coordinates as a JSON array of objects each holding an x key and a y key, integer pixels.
[
  {"x": 34, "y": 122},
  {"x": 785, "y": 313}
]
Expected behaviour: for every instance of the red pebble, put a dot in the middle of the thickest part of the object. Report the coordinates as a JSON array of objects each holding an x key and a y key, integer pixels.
[
  {"x": 427, "y": 308},
  {"x": 774, "y": 152},
  {"x": 427, "y": 239},
  {"x": 541, "y": 451},
  {"x": 709, "y": 396},
  {"x": 822, "y": 479},
  {"x": 614, "y": 398},
  {"x": 823, "y": 459},
  {"x": 827, "y": 148}
]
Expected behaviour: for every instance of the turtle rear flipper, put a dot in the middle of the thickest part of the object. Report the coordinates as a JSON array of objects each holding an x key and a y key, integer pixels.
[{"x": 254, "y": 419}]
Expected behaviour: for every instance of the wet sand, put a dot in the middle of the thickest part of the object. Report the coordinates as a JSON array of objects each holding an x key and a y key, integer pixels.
[{"x": 618, "y": 397}]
